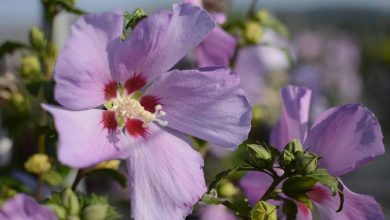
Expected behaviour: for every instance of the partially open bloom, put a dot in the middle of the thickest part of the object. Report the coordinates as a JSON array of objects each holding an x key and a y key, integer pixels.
[
  {"x": 22, "y": 206},
  {"x": 345, "y": 137},
  {"x": 146, "y": 107},
  {"x": 218, "y": 47}
]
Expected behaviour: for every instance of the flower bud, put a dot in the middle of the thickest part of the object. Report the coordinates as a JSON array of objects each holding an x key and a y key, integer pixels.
[
  {"x": 294, "y": 147},
  {"x": 227, "y": 189},
  {"x": 30, "y": 66},
  {"x": 260, "y": 156},
  {"x": 263, "y": 16},
  {"x": 109, "y": 164},
  {"x": 306, "y": 163},
  {"x": 286, "y": 160},
  {"x": 38, "y": 164},
  {"x": 95, "y": 212},
  {"x": 58, "y": 210},
  {"x": 37, "y": 39},
  {"x": 252, "y": 32},
  {"x": 71, "y": 202},
  {"x": 264, "y": 211}
]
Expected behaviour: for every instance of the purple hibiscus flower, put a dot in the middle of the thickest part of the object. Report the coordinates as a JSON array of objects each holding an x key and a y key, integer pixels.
[
  {"x": 147, "y": 107},
  {"x": 23, "y": 207},
  {"x": 218, "y": 47},
  {"x": 345, "y": 137}
]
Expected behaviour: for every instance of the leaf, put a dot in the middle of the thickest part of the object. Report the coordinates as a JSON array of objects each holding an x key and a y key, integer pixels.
[
  {"x": 290, "y": 209},
  {"x": 214, "y": 184},
  {"x": 211, "y": 198},
  {"x": 322, "y": 176},
  {"x": 114, "y": 174},
  {"x": 10, "y": 47}
]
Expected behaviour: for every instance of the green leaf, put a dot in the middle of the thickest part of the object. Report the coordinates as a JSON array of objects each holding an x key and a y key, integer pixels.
[
  {"x": 114, "y": 174},
  {"x": 10, "y": 47},
  {"x": 305, "y": 200},
  {"x": 290, "y": 209},
  {"x": 211, "y": 198},
  {"x": 322, "y": 176},
  {"x": 296, "y": 186},
  {"x": 214, "y": 184}
]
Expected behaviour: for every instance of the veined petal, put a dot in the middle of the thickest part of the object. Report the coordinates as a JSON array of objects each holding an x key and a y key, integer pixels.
[
  {"x": 83, "y": 71},
  {"x": 159, "y": 41},
  {"x": 217, "y": 49},
  {"x": 251, "y": 72},
  {"x": 356, "y": 206},
  {"x": 166, "y": 176},
  {"x": 22, "y": 207},
  {"x": 207, "y": 103},
  {"x": 346, "y": 137},
  {"x": 87, "y": 137},
  {"x": 293, "y": 121},
  {"x": 254, "y": 185}
]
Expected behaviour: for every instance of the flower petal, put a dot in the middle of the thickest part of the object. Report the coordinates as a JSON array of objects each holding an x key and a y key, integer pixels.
[
  {"x": 159, "y": 41},
  {"x": 82, "y": 71},
  {"x": 166, "y": 176},
  {"x": 346, "y": 137},
  {"x": 207, "y": 103},
  {"x": 212, "y": 212},
  {"x": 251, "y": 72},
  {"x": 22, "y": 206},
  {"x": 85, "y": 139},
  {"x": 217, "y": 49},
  {"x": 356, "y": 206},
  {"x": 292, "y": 123},
  {"x": 254, "y": 185}
]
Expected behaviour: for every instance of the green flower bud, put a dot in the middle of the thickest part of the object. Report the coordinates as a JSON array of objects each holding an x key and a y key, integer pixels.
[
  {"x": 227, "y": 189},
  {"x": 252, "y": 32},
  {"x": 37, "y": 39},
  {"x": 294, "y": 147},
  {"x": 70, "y": 202},
  {"x": 263, "y": 16},
  {"x": 38, "y": 164},
  {"x": 30, "y": 66},
  {"x": 286, "y": 160},
  {"x": 95, "y": 212},
  {"x": 260, "y": 156},
  {"x": 58, "y": 210},
  {"x": 264, "y": 211},
  {"x": 306, "y": 163}
]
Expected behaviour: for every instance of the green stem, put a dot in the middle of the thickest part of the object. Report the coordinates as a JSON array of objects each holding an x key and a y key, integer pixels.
[
  {"x": 273, "y": 186},
  {"x": 252, "y": 8}
]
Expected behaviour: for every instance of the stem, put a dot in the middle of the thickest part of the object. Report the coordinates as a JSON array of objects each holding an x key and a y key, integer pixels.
[
  {"x": 252, "y": 8},
  {"x": 38, "y": 190},
  {"x": 273, "y": 186},
  {"x": 79, "y": 177}
]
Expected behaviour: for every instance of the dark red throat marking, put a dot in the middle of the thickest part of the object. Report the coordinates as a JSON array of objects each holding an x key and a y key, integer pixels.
[
  {"x": 135, "y": 128},
  {"x": 149, "y": 103},
  {"x": 110, "y": 90},
  {"x": 109, "y": 121},
  {"x": 135, "y": 83}
]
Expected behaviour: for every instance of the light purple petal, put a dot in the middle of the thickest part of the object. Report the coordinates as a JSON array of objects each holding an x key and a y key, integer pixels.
[
  {"x": 207, "y": 103},
  {"x": 213, "y": 212},
  {"x": 217, "y": 49},
  {"x": 304, "y": 212},
  {"x": 292, "y": 123},
  {"x": 251, "y": 72},
  {"x": 194, "y": 2},
  {"x": 83, "y": 140},
  {"x": 356, "y": 206},
  {"x": 83, "y": 69},
  {"x": 161, "y": 40},
  {"x": 254, "y": 185},
  {"x": 166, "y": 176},
  {"x": 346, "y": 137},
  {"x": 22, "y": 207}
]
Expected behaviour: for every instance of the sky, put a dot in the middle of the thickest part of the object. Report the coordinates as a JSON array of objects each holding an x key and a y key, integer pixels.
[{"x": 17, "y": 16}]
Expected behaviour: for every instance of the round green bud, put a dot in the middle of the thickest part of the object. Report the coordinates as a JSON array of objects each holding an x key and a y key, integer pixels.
[
  {"x": 227, "y": 189},
  {"x": 264, "y": 211},
  {"x": 306, "y": 163},
  {"x": 260, "y": 156},
  {"x": 37, "y": 39},
  {"x": 70, "y": 202},
  {"x": 30, "y": 66},
  {"x": 252, "y": 32},
  {"x": 286, "y": 160},
  {"x": 294, "y": 147},
  {"x": 95, "y": 212}
]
